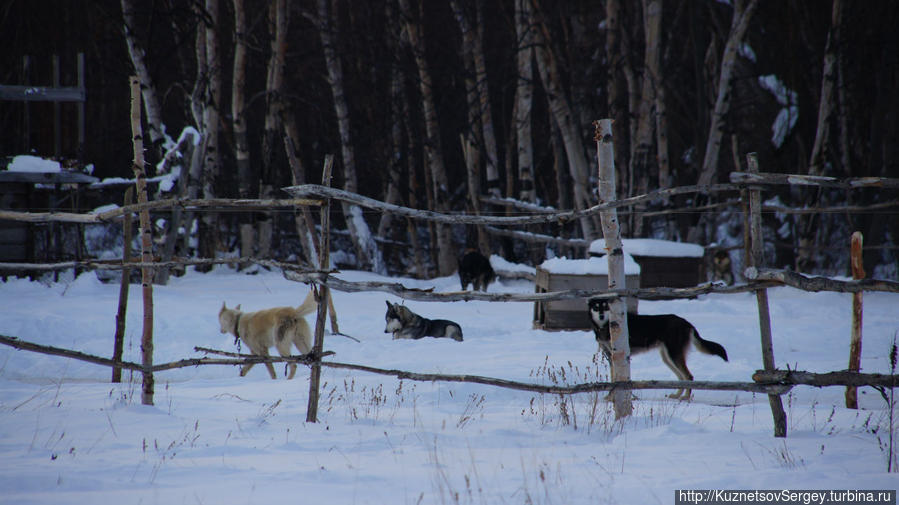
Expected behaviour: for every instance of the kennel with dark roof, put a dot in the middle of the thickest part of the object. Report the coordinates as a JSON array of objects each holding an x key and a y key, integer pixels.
[
  {"x": 663, "y": 263},
  {"x": 562, "y": 274}
]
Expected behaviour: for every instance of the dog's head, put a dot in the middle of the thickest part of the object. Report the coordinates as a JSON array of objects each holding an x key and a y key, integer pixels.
[
  {"x": 599, "y": 311},
  {"x": 227, "y": 318},
  {"x": 396, "y": 317}
]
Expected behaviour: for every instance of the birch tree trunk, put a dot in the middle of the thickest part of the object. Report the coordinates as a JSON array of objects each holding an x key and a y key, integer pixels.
[
  {"x": 485, "y": 116},
  {"x": 148, "y": 87},
  {"x": 146, "y": 244},
  {"x": 303, "y": 218},
  {"x": 197, "y": 101},
  {"x": 209, "y": 236},
  {"x": 397, "y": 97},
  {"x": 641, "y": 162},
  {"x": 618, "y": 86},
  {"x": 618, "y": 330},
  {"x": 446, "y": 250},
  {"x": 474, "y": 143},
  {"x": 743, "y": 11},
  {"x": 367, "y": 250},
  {"x": 278, "y": 19},
  {"x": 809, "y": 227},
  {"x": 245, "y": 180},
  {"x": 560, "y": 108},
  {"x": 524, "y": 98}
]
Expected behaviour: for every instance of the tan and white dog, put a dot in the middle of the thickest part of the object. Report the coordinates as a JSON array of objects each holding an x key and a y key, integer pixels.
[{"x": 281, "y": 327}]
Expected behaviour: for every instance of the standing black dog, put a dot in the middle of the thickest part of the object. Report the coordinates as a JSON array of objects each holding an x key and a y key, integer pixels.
[
  {"x": 670, "y": 333},
  {"x": 475, "y": 269}
]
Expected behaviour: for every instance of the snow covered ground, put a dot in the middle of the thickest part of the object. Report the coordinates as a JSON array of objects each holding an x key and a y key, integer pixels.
[{"x": 68, "y": 435}]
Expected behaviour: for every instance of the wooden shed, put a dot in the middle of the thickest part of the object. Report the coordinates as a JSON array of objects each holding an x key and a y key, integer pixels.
[
  {"x": 561, "y": 274},
  {"x": 32, "y": 183},
  {"x": 663, "y": 263}
]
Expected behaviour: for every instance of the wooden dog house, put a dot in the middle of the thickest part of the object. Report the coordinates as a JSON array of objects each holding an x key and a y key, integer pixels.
[
  {"x": 663, "y": 263},
  {"x": 561, "y": 274}
]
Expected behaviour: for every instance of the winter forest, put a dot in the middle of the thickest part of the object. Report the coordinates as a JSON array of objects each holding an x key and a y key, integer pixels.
[{"x": 480, "y": 106}]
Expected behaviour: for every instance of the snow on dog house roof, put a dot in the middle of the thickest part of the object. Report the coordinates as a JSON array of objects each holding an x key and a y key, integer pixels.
[
  {"x": 590, "y": 266},
  {"x": 651, "y": 247}
]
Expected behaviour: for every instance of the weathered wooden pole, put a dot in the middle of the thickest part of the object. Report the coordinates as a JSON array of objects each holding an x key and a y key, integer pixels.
[
  {"x": 324, "y": 296},
  {"x": 855, "y": 343},
  {"x": 757, "y": 261},
  {"x": 146, "y": 243},
  {"x": 119, "y": 341},
  {"x": 621, "y": 349}
]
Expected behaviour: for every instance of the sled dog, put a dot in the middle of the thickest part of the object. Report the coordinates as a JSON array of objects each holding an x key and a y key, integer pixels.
[
  {"x": 475, "y": 269},
  {"x": 721, "y": 267},
  {"x": 404, "y": 323},
  {"x": 281, "y": 327},
  {"x": 670, "y": 333}
]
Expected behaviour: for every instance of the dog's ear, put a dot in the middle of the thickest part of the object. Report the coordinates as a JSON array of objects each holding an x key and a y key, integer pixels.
[
  {"x": 238, "y": 307},
  {"x": 388, "y": 304},
  {"x": 223, "y": 306}
]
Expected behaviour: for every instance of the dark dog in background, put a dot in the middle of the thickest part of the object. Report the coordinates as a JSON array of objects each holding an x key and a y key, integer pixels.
[
  {"x": 475, "y": 269},
  {"x": 404, "y": 323},
  {"x": 669, "y": 333},
  {"x": 721, "y": 267}
]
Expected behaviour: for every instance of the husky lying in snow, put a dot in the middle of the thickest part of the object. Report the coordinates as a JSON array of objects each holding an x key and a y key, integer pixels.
[
  {"x": 404, "y": 323},
  {"x": 670, "y": 333},
  {"x": 280, "y": 327}
]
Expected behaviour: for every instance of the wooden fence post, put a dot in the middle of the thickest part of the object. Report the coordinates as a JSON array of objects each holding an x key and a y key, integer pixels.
[
  {"x": 119, "y": 342},
  {"x": 324, "y": 297},
  {"x": 757, "y": 261},
  {"x": 621, "y": 349},
  {"x": 146, "y": 243},
  {"x": 855, "y": 343}
]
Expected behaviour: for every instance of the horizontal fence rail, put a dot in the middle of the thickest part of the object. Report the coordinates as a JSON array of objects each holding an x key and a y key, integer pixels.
[{"x": 768, "y": 382}]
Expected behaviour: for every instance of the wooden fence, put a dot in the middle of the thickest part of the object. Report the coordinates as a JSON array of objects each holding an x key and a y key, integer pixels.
[{"x": 770, "y": 380}]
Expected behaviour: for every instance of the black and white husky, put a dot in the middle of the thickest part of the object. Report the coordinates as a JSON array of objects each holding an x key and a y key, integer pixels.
[
  {"x": 670, "y": 333},
  {"x": 404, "y": 323}
]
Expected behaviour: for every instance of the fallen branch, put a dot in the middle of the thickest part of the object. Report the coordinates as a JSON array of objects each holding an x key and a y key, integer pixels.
[{"x": 815, "y": 284}]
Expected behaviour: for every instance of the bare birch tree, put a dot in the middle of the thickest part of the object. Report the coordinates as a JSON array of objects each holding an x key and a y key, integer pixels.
[
  {"x": 474, "y": 142},
  {"x": 366, "y": 249},
  {"x": 278, "y": 21},
  {"x": 560, "y": 108},
  {"x": 446, "y": 250},
  {"x": 641, "y": 159},
  {"x": 148, "y": 87},
  {"x": 245, "y": 180},
  {"x": 822, "y": 151},
  {"x": 524, "y": 98},
  {"x": 743, "y": 11},
  {"x": 211, "y": 157}
]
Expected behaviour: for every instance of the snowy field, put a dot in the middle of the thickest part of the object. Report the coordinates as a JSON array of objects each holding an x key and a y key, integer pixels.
[{"x": 68, "y": 435}]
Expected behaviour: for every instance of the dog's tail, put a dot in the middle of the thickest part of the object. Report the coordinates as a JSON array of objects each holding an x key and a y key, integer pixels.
[
  {"x": 309, "y": 304},
  {"x": 708, "y": 347}
]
